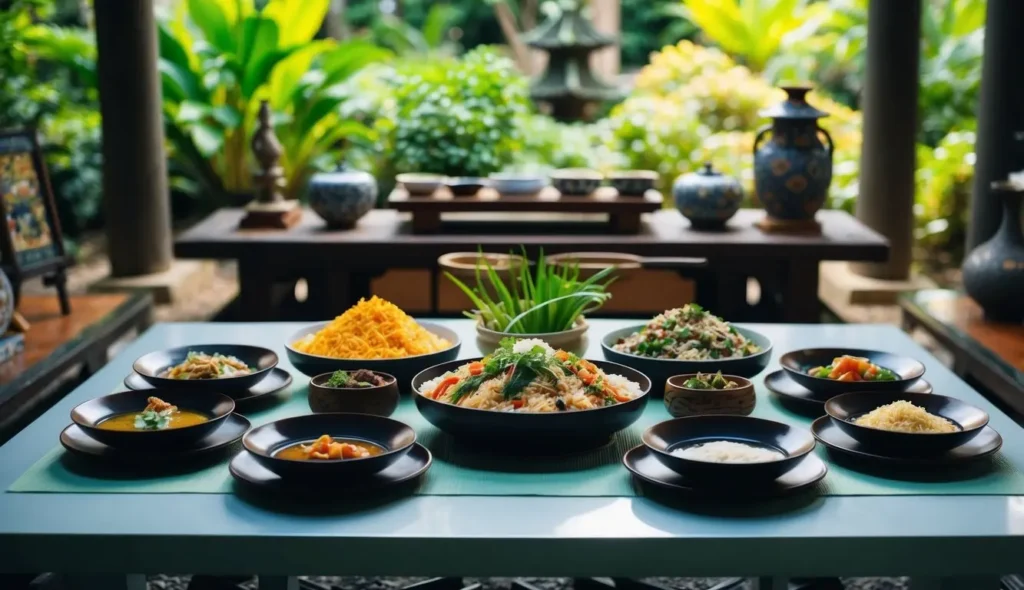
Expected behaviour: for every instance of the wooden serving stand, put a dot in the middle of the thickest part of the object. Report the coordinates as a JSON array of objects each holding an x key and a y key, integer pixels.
[{"x": 623, "y": 211}]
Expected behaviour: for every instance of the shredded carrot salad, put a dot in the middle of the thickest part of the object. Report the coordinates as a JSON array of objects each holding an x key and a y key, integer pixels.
[{"x": 374, "y": 329}]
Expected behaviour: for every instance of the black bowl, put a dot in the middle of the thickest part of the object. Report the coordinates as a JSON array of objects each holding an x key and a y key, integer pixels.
[
  {"x": 665, "y": 437},
  {"x": 402, "y": 368},
  {"x": 850, "y": 406},
  {"x": 551, "y": 432},
  {"x": 261, "y": 360},
  {"x": 380, "y": 400},
  {"x": 88, "y": 415},
  {"x": 266, "y": 441},
  {"x": 659, "y": 370},
  {"x": 798, "y": 362}
]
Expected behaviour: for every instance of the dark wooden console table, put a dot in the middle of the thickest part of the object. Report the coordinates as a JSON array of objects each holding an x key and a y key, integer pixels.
[
  {"x": 61, "y": 351},
  {"x": 987, "y": 353},
  {"x": 338, "y": 265}
]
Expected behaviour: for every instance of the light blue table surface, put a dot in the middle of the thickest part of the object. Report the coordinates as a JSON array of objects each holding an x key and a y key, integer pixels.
[{"x": 505, "y": 536}]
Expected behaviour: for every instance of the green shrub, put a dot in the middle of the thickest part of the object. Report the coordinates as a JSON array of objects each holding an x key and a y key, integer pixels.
[
  {"x": 944, "y": 178},
  {"x": 458, "y": 117}
]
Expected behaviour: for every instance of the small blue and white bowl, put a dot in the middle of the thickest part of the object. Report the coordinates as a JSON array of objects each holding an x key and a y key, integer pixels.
[
  {"x": 578, "y": 182},
  {"x": 517, "y": 184},
  {"x": 342, "y": 197}
]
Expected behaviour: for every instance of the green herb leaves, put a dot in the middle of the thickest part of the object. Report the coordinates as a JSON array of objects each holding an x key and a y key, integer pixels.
[
  {"x": 549, "y": 299},
  {"x": 153, "y": 420}
]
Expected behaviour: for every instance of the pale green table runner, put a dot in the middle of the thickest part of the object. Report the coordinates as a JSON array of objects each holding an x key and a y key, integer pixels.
[{"x": 596, "y": 473}]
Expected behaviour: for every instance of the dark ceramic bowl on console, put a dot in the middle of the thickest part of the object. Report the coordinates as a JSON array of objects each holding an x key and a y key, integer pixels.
[
  {"x": 466, "y": 186},
  {"x": 403, "y": 369},
  {"x": 379, "y": 400},
  {"x": 535, "y": 431},
  {"x": 680, "y": 433},
  {"x": 260, "y": 360},
  {"x": 266, "y": 443},
  {"x": 89, "y": 415},
  {"x": 659, "y": 370},
  {"x": 798, "y": 362},
  {"x": 846, "y": 408}
]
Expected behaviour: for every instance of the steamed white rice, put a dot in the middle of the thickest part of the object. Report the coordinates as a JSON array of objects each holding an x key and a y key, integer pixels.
[{"x": 727, "y": 451}]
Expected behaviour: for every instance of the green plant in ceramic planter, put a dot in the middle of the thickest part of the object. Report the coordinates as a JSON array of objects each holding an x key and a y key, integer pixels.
[{"x": 458, "y": 117}]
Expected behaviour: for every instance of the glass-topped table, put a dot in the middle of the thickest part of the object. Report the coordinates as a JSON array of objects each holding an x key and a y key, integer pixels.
[{"x": 931, "y": 535}]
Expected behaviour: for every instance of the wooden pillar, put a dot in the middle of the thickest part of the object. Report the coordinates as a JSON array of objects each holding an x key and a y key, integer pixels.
[
  {"x": 887, "y": 159},
  {"x": 1000, "y": 115},
  {"x": 607, "y": 18},
  {"x": 136, "y": 202}
]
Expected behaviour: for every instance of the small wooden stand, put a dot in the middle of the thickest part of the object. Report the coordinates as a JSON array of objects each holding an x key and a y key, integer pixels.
[
  {"x": 623, "y": 212},
  {"x": 770, "y": 225},
  {"x": 270, "y": 210}
]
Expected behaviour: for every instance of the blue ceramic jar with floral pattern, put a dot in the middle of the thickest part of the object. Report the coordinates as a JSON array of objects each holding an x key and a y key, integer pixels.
[
  {"x": 342, "y": 197},
  {"x": 707, "y": 198},
  {"x": 792, "y": 168}
]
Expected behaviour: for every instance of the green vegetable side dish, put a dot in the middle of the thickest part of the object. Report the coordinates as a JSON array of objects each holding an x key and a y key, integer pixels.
[
  {"x": 687, "y": 333},
  {"x": 359, "y": 379},
  {"x": 549, "y": 299},
  {"x": 709, "y": 381}
]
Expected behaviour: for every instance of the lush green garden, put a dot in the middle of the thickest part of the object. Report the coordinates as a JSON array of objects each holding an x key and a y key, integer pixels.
[{"x": 435, "y": 92}]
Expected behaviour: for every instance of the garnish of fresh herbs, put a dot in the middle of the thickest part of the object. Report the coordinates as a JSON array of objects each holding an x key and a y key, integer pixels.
[
  {"x": 522, "y": 368},
  {"x": 153, "y": 420},
  {"x": 343, "y": 379}
]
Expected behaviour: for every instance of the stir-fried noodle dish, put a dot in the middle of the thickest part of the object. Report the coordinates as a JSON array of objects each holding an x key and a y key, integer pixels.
[
  {"x": 687, "y": 333},
  {"x": 529, "y": 376}
]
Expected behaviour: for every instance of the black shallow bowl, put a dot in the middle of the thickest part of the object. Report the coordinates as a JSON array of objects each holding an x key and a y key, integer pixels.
[
  {"x": 665, "y": 437},
  {"x": 798, "y": 362},
  {"x": 659, "y": 370},
  {"x": 551, "y": 432},
  {"x": 88, "y": 415},
  {"x": 260, "y": 360},
  {"x": 380, "y": 400},
  {"x": 403, "y": 369},
  {"x": 850, "y": 406},
  {"x": 266, "y": 441}
]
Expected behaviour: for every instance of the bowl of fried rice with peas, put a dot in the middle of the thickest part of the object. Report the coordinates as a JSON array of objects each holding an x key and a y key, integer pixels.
[
  {"x": 688, "y": 339},
  {"x": 529, "y": 395}
]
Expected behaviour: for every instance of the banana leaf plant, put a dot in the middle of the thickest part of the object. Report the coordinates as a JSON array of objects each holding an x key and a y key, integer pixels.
[{"x": 220, "y": 58}]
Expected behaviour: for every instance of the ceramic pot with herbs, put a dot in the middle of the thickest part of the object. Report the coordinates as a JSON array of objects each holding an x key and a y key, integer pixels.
[
  {"x": 707, "y": 198},
  {"x": 792, "y": 167},
  {"x": 342, "y": 197},
  {"x": 993, "y": 273}
]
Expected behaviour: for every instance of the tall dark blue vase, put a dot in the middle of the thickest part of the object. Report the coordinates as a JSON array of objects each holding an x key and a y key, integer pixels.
[
  {"x": 993, "y": 272},
  {"x": 792, "y": 168}
]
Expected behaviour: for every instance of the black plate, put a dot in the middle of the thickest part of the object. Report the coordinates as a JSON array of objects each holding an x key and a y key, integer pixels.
[
  {"x": 266, "y": 440},
  {"x": 659, "y": 370},
  {"x": 403, "y": 369},
  {"x": 780, "y": 383},
  {"x": 664, "y": 437},
  {"x": 645, "y": 466},
  {"x": 532, "y": 430},
  {"x": 850, "y": 406},
  {"x": 88, "y": 414},
  {"x": 276, "y": 380},
  {"x": 798, "y": 362},
  {"x": 76, "y": 441},
  {"x": 409, "y": 466},
  {"x": 261, "y": 360},
  {"x": 986, "y": 443}
]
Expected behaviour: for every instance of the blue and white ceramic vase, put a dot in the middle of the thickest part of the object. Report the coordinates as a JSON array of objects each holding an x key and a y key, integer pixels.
[
  {"x": 993, "y": 273},
  {"x": 707, "y": 198},
  {"x": 792, "y": 168},
  {"x": 342, "y": 197}
]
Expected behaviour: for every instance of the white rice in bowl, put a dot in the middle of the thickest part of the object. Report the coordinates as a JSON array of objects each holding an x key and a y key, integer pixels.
[{"x": 727, "y": 451}]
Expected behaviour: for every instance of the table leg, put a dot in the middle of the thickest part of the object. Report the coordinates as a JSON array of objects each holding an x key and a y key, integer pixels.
[
  {"x": 278, "y": 582},
  {"x": 956, "y": 583},
  {"x": 105, "y": 581},
  {"x": 800, "y": 302},
  {"x": 255, "y": 291}
]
